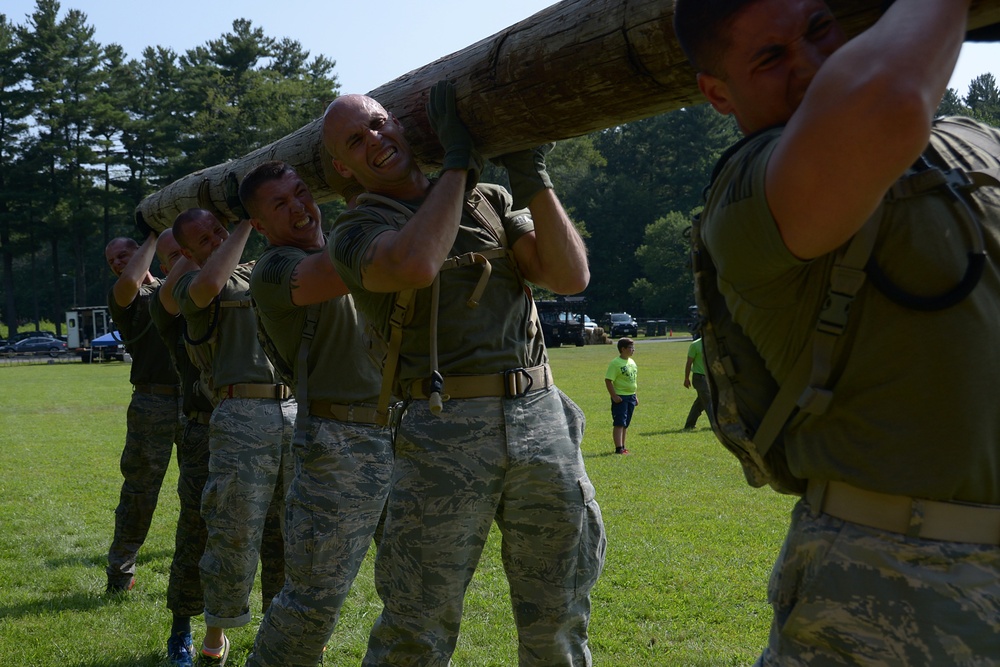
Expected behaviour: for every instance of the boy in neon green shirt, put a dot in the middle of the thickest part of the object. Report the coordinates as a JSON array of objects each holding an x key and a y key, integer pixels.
[{"x": 621, "y": 380}]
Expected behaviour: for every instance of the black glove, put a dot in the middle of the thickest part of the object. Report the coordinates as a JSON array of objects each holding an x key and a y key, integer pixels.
[
  {"x": 140, "y": 223},
  {"x": 459, "y": 150},
  {"x": 231, "y": 188},
  {"x": 526, "y": 171}
]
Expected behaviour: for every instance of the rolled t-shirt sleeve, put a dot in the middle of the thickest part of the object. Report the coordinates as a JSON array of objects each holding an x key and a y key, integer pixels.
[
  {"x": 350, "y": 240},
  {"x": 516, "y": 222},
  {"x": 271, "y": 280},
  {"x": 739, "y": 230},
  {"x": 188, "y": 308}
]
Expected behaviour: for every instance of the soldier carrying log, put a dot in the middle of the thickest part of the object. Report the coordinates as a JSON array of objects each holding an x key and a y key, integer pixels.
[
  {"x": 893, "y": 553},
  {"x": 505, "y": 445}
]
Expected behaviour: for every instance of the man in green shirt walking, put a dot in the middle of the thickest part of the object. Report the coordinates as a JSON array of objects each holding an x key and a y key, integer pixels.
[{"x": 694, "y": 375}]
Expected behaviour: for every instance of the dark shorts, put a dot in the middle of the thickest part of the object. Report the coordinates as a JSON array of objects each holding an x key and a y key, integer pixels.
[{"x": 621, "y": 413}]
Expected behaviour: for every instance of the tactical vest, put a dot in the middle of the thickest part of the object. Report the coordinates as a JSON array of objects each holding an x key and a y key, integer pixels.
[
  {"x": 202, "y": 350},
  {"x": 385, "y": 353},
  {"x": 750, "y": 411}
]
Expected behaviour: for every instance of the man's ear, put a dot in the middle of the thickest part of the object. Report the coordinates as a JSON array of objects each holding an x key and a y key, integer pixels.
[
  {"x": 255, "y": 223},
  {"x": 716, "y": 92},
  {"x": 341, "y": 169}
]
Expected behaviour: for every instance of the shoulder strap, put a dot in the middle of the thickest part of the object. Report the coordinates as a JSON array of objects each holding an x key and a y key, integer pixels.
[
  {"x": 806, "y": 385},
  {"x": 479, "y": 207},
  {"x": 396, "y": 320},
  {"x": 302, "y": 372}
]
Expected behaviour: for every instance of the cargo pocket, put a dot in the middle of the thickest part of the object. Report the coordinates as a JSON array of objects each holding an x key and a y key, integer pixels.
[{"x": 593, "y": 540}]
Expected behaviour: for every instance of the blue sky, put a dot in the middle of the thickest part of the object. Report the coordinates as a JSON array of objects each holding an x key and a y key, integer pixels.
[{"x": 372, "y": 42}]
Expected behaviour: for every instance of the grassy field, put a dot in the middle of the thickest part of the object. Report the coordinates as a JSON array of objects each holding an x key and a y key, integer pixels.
[{"x": 689, "y": 544}]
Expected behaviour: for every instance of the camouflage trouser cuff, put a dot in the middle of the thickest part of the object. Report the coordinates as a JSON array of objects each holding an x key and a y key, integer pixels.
[{"x": 213, "y": 621}]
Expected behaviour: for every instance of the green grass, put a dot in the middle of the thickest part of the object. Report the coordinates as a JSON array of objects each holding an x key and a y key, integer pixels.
[{"x": 689, "y": 544}]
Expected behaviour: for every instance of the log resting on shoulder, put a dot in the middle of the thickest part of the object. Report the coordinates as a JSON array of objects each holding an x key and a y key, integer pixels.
[{"x": 573, "y": 68}]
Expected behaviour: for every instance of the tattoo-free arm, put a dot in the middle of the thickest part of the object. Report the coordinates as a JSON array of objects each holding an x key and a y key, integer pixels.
[
  {"x": 554, "y": 255},
  {"x": 220, "y": 266},
  {"x": 166, "y": 292},
  {"x": 865, "y": 118},
  {"x": 411, "y": 257},
  {"x": 135, "y": 274}
]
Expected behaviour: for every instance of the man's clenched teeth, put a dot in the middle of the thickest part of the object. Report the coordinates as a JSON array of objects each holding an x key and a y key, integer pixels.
[
  {"x": 384, "y": 156},
  {"x": 303, "y": 222}
]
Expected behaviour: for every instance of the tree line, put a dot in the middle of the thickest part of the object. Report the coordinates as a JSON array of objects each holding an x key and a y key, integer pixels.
[{"x": 86, "y": 133}]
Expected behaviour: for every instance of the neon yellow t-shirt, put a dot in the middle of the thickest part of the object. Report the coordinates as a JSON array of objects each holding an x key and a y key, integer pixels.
[{"x": 624, "y": 375}]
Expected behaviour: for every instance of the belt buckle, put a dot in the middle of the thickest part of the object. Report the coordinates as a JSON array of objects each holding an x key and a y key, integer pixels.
[{"x": 510, "y": 382}]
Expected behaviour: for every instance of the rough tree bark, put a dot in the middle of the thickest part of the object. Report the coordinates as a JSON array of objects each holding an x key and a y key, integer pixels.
[{"x": 575, "y": 67}]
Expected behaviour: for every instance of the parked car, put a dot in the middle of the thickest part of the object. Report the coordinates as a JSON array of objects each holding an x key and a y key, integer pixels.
[
  {"x": 35, "y": 345},
  {"x": 589, "y": 324},
  {"x": 622, "y": 324},
  {"x": 30, "y": 334}
]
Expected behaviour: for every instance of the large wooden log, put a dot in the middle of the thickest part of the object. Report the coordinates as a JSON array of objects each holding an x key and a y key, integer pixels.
[{"x": 575, "y": 67}]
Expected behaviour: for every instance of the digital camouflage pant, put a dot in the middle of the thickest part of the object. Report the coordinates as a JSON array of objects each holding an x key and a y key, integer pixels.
[
  {"x": 243, "y": 505},
  {"x": 185, "y": 596},
  {"x": 513, "y": 461},
  {"x": 153, "y": 425},
  {"x": 335, "y": 500},
  {"x": 845, "y": 594}
]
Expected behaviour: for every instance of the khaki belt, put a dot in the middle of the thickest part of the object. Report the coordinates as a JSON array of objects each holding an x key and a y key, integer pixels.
[
  {"x": 276, "y": 391},
  {"x": 915, "y": 517},
  {"x": 161, "y": 389},
  {"x": 514, "y": 383},
  {"x": 353, "y": 414},
  {"x": 200, "y": 417}
]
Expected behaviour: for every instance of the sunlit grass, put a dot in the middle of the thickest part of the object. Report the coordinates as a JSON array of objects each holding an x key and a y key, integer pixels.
[{"x": 690, "y": 545}]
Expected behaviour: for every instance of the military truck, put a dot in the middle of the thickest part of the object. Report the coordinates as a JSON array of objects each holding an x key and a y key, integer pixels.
[{"x": 562, "y": 320}]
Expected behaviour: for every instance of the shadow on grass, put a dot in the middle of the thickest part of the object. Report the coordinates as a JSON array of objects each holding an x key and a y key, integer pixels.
[
  {"x": 601, "y": 455},
  {"x": 75, "y": 601},
  {"x": 145, "y": 559},
  {"x": 677, "y": 431},
  {"x": 150, "y": 660},
  {"x": 83, "y": 600}
]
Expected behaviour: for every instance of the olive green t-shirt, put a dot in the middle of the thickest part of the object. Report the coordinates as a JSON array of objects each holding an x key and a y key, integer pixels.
[
  {"x": 914, "y": 408},
  {"x": 339, "y": 367},
  {"x": 497, "y": 335},
  {"x": 170, "y": 330},
  {"x": 150, "y": 358},
  {"x": 238, "y": 357}
]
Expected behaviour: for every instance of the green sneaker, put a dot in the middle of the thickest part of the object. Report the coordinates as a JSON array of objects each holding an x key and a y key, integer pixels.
[{"x": 209, "y": 658}]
